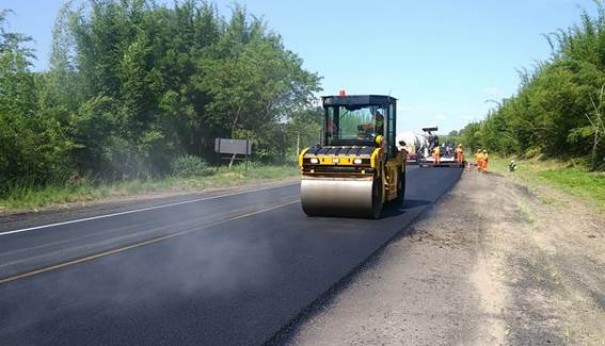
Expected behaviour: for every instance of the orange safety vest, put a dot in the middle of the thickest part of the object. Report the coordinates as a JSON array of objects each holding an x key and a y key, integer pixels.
[
  {"x": 437, "y": 155},
  {"x": 459, "y": 154},
  {"x": 479, "y": 158}
]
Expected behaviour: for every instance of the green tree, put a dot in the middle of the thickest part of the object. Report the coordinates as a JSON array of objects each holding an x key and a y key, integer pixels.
[
  {"x": 34, "y": 148},
  {"x": 252, "y": 80},
  {"x": 554, "y": 112},
  {"x": 304, "y": 128},
  {"x": 133, "y": 84}
]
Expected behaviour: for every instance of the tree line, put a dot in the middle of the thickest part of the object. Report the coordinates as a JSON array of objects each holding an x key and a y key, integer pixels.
[
  {"x": 133, "y": 85},
  {"x": 558, "y": 110}
]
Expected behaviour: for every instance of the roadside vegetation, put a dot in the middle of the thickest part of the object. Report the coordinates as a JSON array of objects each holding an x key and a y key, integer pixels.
[
  {"x": 563, "y": 175},
  {"x": 134, "y": 88},
  {"x": 558, "y": 111},
  {"x": 84, "y": 190}
]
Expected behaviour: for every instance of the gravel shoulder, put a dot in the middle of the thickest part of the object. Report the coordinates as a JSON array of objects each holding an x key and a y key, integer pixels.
[{"x": 492, "y": 263}]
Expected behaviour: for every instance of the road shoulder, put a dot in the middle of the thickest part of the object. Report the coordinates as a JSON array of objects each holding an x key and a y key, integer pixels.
[{"x": 491, "y": 263}]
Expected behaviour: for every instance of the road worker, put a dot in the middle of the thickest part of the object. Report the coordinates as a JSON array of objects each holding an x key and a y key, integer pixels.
[
  {"x": 330, "y": 128},
  {"x": 379, "y": 123},
  {"x": 373, "y": 129},
  {"x": 485, "y": 160},
  {"x": 478, "y": 159},
  {"x": 459, "y": 154},
  {"x": 437, "y": 155}
]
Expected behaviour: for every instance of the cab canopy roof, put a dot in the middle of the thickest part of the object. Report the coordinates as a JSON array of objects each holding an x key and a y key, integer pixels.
[{"x": 357, "y": 100}]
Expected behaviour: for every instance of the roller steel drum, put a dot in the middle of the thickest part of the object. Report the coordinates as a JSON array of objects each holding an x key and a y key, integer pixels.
[{"x": 341, "y": 197}]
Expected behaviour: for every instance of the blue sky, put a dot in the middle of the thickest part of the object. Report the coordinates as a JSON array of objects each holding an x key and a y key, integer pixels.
[{"x": 442, "y": 59}]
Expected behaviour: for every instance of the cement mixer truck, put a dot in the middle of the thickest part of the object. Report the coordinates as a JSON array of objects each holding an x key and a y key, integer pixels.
[{"x": 418, "y": 146}]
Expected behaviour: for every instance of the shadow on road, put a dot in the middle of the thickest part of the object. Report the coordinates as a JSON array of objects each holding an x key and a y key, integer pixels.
[
  {"x": 391, "y": 210},
  {"x": 414, "y": 203}
]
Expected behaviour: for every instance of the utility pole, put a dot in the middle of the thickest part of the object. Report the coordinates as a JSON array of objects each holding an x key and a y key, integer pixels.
[{"x": 297, "y": 143}]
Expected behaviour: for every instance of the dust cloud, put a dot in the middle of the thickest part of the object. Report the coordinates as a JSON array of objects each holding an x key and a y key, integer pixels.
[{"x": 207, "y": 264}]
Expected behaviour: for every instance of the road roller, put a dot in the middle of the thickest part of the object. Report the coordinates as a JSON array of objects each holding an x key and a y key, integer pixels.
[{"x": 358, "y": 167}]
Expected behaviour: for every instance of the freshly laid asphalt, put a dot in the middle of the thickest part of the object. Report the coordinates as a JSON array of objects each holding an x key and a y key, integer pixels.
[{"x": 223, "y": 270}]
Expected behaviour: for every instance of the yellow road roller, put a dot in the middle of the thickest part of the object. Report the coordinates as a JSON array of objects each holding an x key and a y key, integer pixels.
[{"x": 358, "y": 167}]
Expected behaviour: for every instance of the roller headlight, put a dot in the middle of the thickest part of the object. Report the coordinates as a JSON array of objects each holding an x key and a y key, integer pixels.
[
  {"x": 357, "y": 161},
  {"x": 314, "y": 161}
]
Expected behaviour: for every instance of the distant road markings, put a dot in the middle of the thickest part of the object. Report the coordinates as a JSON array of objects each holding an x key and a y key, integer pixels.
[
  {"x": 137, "y": 245},
  {"x": 139, "y": 210}
]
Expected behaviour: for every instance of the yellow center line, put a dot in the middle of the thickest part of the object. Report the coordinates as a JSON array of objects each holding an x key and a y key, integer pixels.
[{"x": 134, "y": 246}]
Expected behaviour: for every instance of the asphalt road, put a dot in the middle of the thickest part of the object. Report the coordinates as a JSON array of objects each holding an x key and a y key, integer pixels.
[{"x": 221, "y": 270}]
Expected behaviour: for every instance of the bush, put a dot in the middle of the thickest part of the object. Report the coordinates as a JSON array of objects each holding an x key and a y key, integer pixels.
[
  {"x": 532, "y": 153},
  {"x": 189, "y": 166}
]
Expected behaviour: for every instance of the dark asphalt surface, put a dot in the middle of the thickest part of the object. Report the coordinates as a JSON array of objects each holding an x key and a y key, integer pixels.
[{"x": 248, "y": 264}]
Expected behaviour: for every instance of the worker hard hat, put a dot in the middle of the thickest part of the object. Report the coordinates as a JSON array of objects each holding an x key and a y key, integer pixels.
[
  {"x": 478, "y": 150},
  {"x": 485, "y": 151},
  {"x": 379, "y": 139},
  {"x": 459, "y": 145}
]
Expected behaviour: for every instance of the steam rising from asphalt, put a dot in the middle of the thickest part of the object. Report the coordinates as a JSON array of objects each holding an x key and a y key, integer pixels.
[
  {"x": 206, "y": 264},
  {"x": 204, "y": 274}
]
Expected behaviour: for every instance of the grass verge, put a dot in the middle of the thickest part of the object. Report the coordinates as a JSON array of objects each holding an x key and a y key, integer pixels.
[
  {"x": 573, "y": 180},
  {"x": 29, "y": 198}
]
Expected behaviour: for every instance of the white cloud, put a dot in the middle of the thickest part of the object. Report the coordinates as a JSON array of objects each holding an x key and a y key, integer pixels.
[
  {"x": 492, "y": 91},
  {"x": 439, "y": 117}
]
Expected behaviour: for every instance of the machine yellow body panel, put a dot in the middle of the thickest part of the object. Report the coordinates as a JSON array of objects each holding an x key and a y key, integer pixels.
[{"x": 353, "y": 175}]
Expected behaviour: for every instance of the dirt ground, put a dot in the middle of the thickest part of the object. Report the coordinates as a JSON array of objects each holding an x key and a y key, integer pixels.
[{"x": 493, "y": 263}]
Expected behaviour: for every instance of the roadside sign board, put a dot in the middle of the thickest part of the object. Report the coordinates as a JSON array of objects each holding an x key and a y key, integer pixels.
[{"x": 232, "y": 146}]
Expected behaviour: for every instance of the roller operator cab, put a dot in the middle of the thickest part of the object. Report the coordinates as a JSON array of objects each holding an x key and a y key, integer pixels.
[{"x": 358, "y": 167}]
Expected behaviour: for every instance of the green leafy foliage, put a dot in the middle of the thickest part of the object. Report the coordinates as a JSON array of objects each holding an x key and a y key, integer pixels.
[
  {"x": 189, "y": 166},
  {"x": 134, "y": 84},
  {"x": 558, "y": 109},
  {"x": 34, "y": 146}
]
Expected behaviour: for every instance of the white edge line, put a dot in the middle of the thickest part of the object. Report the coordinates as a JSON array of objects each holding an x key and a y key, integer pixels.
[
  {"x": 138, "y": 210},
  {"x": 133, "y": 246}
]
